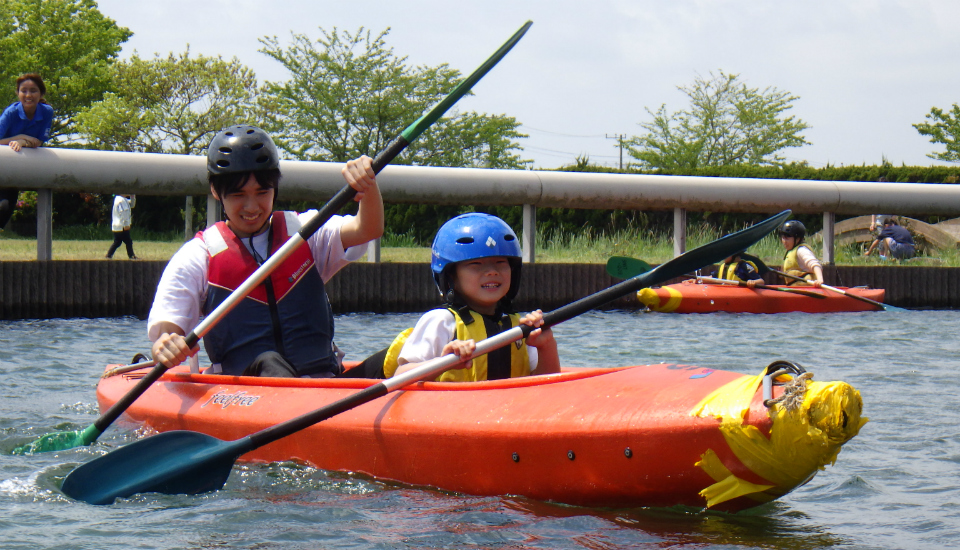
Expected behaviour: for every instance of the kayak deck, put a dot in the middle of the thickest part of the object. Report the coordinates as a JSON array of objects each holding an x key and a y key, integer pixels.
[{"x": 619, "y": 437}]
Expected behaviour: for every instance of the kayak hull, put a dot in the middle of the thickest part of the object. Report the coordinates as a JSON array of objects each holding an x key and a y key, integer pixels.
[
  {"x": 691, "y": 297},
  {"x": 620, "y": 437}
]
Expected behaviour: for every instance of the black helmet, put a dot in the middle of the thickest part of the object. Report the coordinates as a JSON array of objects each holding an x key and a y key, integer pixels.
[
  {"x": 240, "y": 149},
  {"x": 793, "y": 228}
]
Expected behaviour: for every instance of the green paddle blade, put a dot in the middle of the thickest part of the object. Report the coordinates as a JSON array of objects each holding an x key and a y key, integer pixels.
[
  {"x": 59, "y": 441},
  {"x": 624, "y": 267},
  {"x": 178, "y": 462}
]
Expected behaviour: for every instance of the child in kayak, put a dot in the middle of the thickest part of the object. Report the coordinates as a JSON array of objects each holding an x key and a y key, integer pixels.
[
  {"x": 285, "y": 326},
  {"x": 740, "y": 267},
  {"x": 476, "y": 266},
  {"x": 799, "y": 261}
]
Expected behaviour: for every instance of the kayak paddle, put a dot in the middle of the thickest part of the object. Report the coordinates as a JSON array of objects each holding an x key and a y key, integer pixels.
[
  {"x": 187, "y": 462},
  {"x": 880, "y": 305},
  {"x": 67, "y": 440},
  {"x": 625, "y": 267},
  {"x": 715, "y": 281}
]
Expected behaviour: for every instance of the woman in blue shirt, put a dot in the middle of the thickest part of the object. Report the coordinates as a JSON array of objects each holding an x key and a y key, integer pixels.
[{"x": 25, "y": 123}]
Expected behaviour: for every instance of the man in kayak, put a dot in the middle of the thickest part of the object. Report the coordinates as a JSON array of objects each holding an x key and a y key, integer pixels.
[
  {"x": 285, "y": 326},
  {"x": 476, "y": 266},
  {"x": 894, "y": 241},
  {"x": 799, "y": 261}
]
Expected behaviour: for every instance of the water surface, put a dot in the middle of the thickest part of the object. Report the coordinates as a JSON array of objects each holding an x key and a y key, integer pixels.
[{"x": 897, "y": 485}]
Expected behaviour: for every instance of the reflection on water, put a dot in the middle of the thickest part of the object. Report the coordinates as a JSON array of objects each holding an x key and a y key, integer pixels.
[{"x": 894, "y": 486}]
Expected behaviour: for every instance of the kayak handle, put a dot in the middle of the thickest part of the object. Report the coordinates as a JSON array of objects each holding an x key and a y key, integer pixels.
[{"x": 782, "y": 367}]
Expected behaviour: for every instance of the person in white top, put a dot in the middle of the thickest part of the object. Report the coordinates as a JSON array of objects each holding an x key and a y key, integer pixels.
[
  {"x": 799, "y": 260},
  {"x": 122, "y": 206},
  {"x": 285, "y": 326},
  {"x": 476, "y": 265}
]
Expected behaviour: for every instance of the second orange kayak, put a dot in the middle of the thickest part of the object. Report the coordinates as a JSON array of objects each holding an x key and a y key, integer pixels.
[{"x": 692, "y": 297}]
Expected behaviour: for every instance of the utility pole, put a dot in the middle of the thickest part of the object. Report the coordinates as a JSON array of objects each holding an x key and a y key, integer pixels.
[{"x": 619, "y": 138}]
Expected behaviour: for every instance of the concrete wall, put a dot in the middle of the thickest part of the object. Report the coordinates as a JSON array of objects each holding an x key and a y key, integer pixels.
[{"x": 97, "y": 288}]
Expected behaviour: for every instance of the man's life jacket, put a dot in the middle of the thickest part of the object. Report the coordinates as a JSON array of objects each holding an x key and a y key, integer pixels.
[
  {"x": 288, "y": 313},
  {"x": 507, "y": 362}
]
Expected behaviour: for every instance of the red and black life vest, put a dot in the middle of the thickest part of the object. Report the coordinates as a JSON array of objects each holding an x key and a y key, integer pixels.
[{"x": 288, "y": 313}]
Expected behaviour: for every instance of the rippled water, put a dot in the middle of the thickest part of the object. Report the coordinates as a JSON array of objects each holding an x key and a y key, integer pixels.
[{"x": 894, "y": 486}]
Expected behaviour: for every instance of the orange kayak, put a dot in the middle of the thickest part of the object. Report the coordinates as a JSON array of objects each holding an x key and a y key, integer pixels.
[
  {"x": 692, "y": 297},
  {"x": 658, "y": 435}
]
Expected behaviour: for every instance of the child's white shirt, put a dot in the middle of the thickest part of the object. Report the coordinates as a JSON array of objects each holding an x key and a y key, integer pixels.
[{"x": 432, "y": 332}]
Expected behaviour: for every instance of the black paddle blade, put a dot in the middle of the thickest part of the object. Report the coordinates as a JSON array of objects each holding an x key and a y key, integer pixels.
[{"x": 173, "y": 463}]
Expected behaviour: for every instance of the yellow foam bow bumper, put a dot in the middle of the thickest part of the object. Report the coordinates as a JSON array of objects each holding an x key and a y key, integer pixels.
[{"x": 805, "y": 437}]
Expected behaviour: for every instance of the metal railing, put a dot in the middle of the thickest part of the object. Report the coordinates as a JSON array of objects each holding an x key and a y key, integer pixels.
[{"x": 49, "y": 170}]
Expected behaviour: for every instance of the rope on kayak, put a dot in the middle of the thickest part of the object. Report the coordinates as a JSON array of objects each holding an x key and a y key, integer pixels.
[{"x": 793, "y": 393}]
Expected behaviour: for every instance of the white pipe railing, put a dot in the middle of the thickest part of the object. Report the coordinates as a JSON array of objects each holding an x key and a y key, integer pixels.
[{"x": 74, "y": 170}]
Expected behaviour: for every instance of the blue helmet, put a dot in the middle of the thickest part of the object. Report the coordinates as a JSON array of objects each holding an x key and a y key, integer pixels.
[{"x": 471, "y": 236}]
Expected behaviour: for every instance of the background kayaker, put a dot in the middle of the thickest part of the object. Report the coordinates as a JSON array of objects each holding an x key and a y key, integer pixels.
[
  {"x": 285, "y": 327},
  {"x": 25, "y": 123},
  {"x": 738, "y": 268},
  {"x": 799, "y": 260},
  {"x": 476, "y": 266},
  {"x": 895, "y": 241},
  {"x": 120, "y": 224}
]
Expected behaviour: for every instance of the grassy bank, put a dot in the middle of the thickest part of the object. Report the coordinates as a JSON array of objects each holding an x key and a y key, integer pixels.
[{"x": 584, "y": 247}]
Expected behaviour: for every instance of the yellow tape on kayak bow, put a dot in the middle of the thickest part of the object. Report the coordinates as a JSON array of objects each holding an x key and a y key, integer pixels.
[
  {"x": 803, "y": 439},
  {"x": 651, "y": 299}
]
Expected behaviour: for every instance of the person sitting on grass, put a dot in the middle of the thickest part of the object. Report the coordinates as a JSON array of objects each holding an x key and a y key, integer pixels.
[
  {"x": 476, "y": 267},
  {"x": 799, "y": 260},
  {"x": 894, "y": 241}
]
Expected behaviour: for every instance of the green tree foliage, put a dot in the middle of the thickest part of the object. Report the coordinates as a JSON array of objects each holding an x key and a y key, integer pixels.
[
  {"x": 349, "y": 94},
  {"x": 69, "y": 43},
  {"x": 170, "y": 105},
  {"x": 727, "y": 123},
  {"x": 943, "y": 127}
]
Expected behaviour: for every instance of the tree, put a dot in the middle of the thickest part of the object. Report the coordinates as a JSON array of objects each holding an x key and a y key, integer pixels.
[
  {"x": 727, "y": 123},
  {"x": 170, "y": 105},
  {"x": 945, "y": 129},
  {"x": 69, "y": 43},
  {"x": 349, "y": 95}
]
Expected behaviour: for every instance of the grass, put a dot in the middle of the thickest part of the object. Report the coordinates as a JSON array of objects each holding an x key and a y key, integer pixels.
[{"x": 586, "y": 247}]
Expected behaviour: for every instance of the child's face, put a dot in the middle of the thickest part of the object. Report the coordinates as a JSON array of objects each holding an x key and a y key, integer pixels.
[
  {"x": 483, "y": 282},
  {"x": 249, "y": 208},
  {"x": 788, "y": 241}
]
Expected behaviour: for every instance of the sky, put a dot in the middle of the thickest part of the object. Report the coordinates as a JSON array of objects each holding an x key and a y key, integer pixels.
[{"x": 586, "y": 71}]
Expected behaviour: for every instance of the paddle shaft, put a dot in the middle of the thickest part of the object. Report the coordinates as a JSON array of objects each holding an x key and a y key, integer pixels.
[
  {"x": 97, "y": 485},
  {"x": 835, "y": 289},
  {"x": 716, "y": 281},
  {"x": 344, "y": 196}
]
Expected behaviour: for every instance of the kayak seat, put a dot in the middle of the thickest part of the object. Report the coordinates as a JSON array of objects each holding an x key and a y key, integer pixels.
[{"x": 371, "y": 367}]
